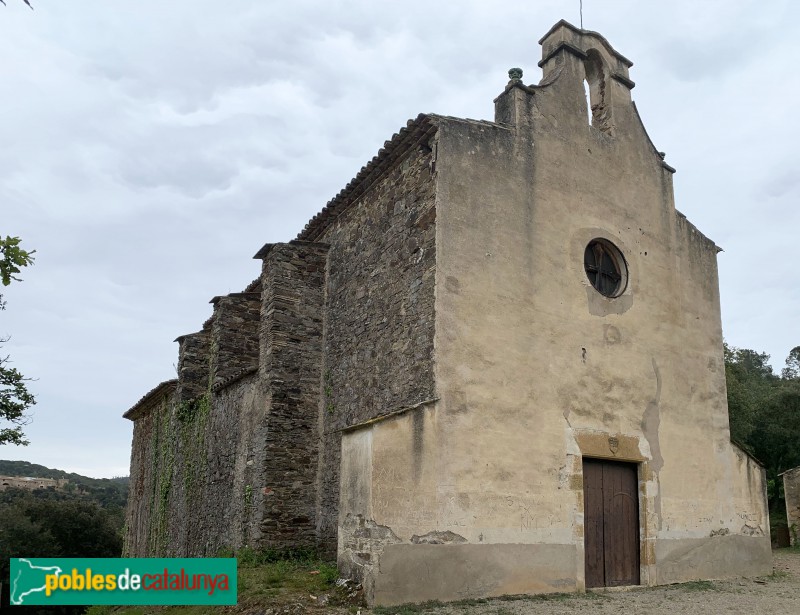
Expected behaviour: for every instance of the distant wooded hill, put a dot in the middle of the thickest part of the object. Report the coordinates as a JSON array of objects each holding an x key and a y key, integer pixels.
[
  {"x": 83, "y": 519},
  {"x": 107, "y": 491}
]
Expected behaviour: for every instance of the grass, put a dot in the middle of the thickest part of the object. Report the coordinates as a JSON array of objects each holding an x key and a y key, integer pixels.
[
  {"x": 777, "y": 575},
  {"x": 267, "y": 577}
]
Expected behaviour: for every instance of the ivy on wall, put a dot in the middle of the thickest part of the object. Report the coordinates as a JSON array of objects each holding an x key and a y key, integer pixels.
[
  {"x": 179, "y": 434},
  {"x": 163, "y": 459}
]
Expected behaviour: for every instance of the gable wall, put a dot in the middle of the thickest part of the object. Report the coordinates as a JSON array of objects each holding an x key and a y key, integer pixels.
[{"x": 535, "y": 370}]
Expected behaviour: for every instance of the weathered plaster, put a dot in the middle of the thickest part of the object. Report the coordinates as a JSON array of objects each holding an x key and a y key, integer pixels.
[
  {"x": 536, "y": 370},
  {"x": 716, "y": 557},
  {"x": 462, "y": 571}
]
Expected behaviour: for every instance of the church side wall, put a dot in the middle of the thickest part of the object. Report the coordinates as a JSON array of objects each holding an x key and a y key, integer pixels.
[
  {"x": 139, "y": 513},
  {"x": 152, "y": 530},
  {"x": 231, "y": 502},
  {"x": 378, "y": 353},
  {"x": 710, "y": 519},
  {"x": 197, "y": 479},
  {"x": 229, "y": 464}
]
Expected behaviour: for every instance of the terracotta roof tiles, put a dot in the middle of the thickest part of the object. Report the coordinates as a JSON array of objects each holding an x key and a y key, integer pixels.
[{"x": 150, "y": 399}]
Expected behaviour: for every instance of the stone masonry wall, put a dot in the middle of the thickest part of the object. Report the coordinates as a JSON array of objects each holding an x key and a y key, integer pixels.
[
  {"x": 152, "y": 530},
  {"x": 230, "y": 506},
  {"x": 379, "y": 316},
  {"x": 193, "y": 358},
  {"x": 791, "y": 489},
  {"x": 139, "y": 512},
  {"x": 291, "y": 359},
  {"x": 234, "y": 335},
  {"x": 234, "y": 459},
  {"x": 195, "y": 467},
  {"x": 189, "y": 464}
]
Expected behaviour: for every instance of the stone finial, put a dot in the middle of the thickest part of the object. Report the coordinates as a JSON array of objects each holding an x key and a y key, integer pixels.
[{"x": 515, "y": 75}]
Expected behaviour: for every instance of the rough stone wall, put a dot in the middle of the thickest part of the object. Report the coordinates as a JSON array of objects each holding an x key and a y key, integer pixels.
[
  {"x": 140, "y": 492},
  {"x": 291, "y": 362},
  {"x": 155, "y": 459},
  {"x": 193, "y": 364},
  {"x": 379, "y": 317},
  {"x": 234, "y": 335},
  {"x": 232, "y": 496},
  {"x": 231, "y": 460},
  {"x": 791, "y": 489},
  {"x": 336, "y": 336},
  {"x": 194, "y": 471}
]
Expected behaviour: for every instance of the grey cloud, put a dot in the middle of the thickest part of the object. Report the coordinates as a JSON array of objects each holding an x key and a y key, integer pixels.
[{"x": 151, "y": 148}]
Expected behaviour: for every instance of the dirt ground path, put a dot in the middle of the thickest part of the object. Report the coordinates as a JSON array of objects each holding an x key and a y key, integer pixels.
[{"x": 777, "y": 594}]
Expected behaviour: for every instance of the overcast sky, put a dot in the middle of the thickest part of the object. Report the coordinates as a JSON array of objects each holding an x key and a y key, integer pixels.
[{"x": 150, "y": 148}]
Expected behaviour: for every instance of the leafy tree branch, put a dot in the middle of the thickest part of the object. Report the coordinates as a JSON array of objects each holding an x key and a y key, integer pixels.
[{"x": 15, "y": 399}]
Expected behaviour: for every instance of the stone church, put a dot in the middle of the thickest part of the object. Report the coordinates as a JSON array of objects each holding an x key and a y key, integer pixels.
[{"x": 492, "y": 364}]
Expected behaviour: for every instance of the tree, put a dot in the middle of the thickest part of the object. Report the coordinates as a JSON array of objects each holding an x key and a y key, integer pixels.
[
  {"x": 48, "y": 523},
  {"x": 765, "y": 412},
  {"x": 750, "y": 378},
  {"x": 20, "y": 537},
  {"x": 15, "y": 398},
  {"x": 12, "y": 258},
  {"x": 80, "y": 529},
  {"x": 792, "y": 369}
]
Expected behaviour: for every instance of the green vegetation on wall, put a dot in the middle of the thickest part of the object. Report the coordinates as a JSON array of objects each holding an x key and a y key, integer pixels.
[
  {"x": 163, "y": 462},
  {"x": 179, "y": 465},
  {"x": 192, "y": 423}
]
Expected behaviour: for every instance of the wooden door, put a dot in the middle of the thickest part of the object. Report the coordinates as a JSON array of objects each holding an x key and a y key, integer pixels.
[{"x": 611, "y": 523}]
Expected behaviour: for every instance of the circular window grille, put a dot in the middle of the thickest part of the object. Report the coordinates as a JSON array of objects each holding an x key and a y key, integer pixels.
[{"x": 605, "y": 267}]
